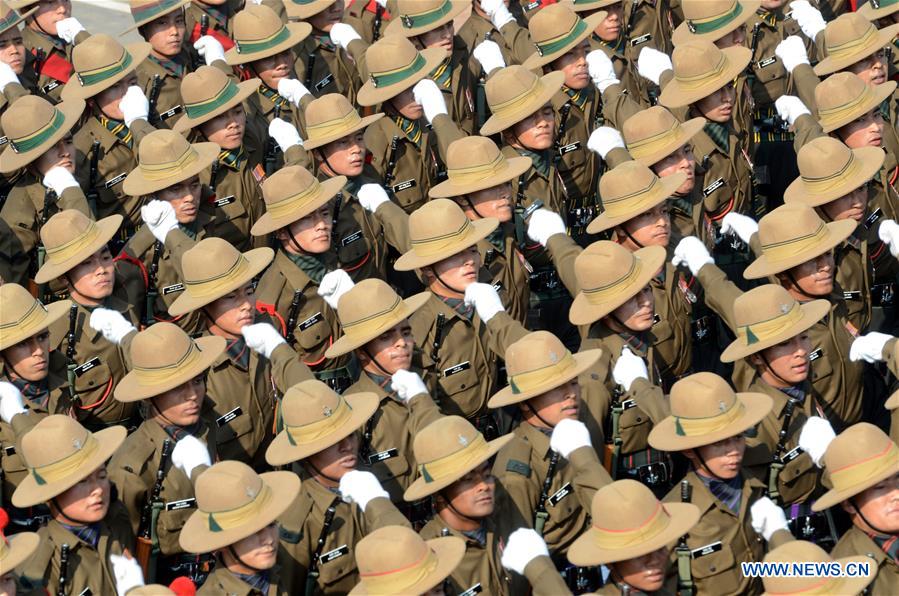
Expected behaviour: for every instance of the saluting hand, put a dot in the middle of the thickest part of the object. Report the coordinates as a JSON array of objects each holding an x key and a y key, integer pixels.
[
  {"x": 690, "y": 251},
  {"x": 361, "y": 488},
  {"x": 767, "y": 518},
  {"x": 127, "y": 572},
  {"x": 334, "y": 285},
  {"x": 407, "y": 385},
  {"x": 816, "y": 435},
  {"x": 68, "y": 29},
  {"x": 485, "y": 300},
  {"x": 569, "y": 435},
  {"x": 11, "y": 403},
  {"x": 524, "y": 546},
  {"x": 262, "y": 338},
  {"x": 111, "y": 324},
  {"x": 868, "y": 347}
]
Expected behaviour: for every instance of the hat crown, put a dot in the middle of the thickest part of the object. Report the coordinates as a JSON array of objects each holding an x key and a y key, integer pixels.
[
  {"x": 627, "y": 181},
  {"x": 256, "y": 22},
  {"x": 847, "y": 29},
  {"x": 697, "y": 60},
  {"x": 390, "y": 53},
  {"x": 534, "y": 351},
  {"x": 708, "y": 9},
  {"x": 443, "y": 438},
  {"x": 839, "y": 90},
  {"x": 390, "y": 549},
  {"x": 859, "y": 444},
  {"x": 64, "y": 227},
  {"x": 287, "y": 182},
  {"x": 623, "y": 507},
  {"x": 226, "y": 486},
  {"x": 789, "y": 223},
  {"x": 17, "y": 302},
  {"x": 97, "y": 51},
  {"x": 369, "y": 299},
  {"x": 53, "y": 439},
  {"x": 551, "y": 22},
  {"x": 163, "y": 148},
  {"x": 509, "y": 84},
  {"x": 159, "y": 346},
  {"x": 472, "y": 152},
  {"x": 203, "y": 84},
  {"x": 763, "y": 303},
  {"x": 435, "y": 219},
  {"x": 309, "y": 402},
  {"x": 647, "y": 124},
  {"x": 27, "y": 116},
  {"x": 603, "y": 264},
  {"x": 701, "y": 396},
  {"x": 208, "y": 259},
  {"x": 329, "y": 108},
  {"x": 823, "y": 157},
  {"x": 791, "y": 552}
]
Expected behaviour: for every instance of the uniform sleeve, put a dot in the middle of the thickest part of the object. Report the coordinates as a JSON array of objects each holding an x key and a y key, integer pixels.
[
  {"x": 14, "y": 91},
  {"x": 287, "y": 368},
  {"x": 650, "y": 399},
  {"x": 177, "y": 243},
  {"x": 544, "y": 578},
  {"x": 804, "y": 81},
  {"x": 563, "y": 250},
  {"x": 423, "y": 412},
  {"x": 73, "y": 198},
  {"x": 132, "y": 490},
  {"x": 518, "y": 40},
  {"x": 617, "y": 106},
  {"x": 806, "y": 129},
  {"x": 720, "y": 293},
  {"x": 381, "y": 512},
  {"x": 589, "y": 474},
  {"x": 617, "y": 156},
  {"x": 139, "y": 129},
  {"x": 395, "y": 222},
  {"x": 447, "y": 131},
  {"x": 503, "y": 331}
]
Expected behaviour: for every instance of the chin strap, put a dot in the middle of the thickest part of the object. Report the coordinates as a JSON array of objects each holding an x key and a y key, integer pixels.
[{"x": 865, "y": 519}]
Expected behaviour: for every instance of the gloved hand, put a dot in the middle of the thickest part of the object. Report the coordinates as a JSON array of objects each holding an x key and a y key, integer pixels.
[
  {"x": 651, "y": 64},
  {"x": 767, "y": 517},
  {"x": 342, "y": 35},
  {"x": 382, "y": 3},
  {"x": 334, "y": 285},
  {"x": 292, "y": 90},
  {"x": 262, "y": 338},
  {"x": 791, "y": 52},
  {"x": 790, "y": 108},
  {"x": 816, "y": 435},
  {"x": 59, "y": 179},
  {"x": 284, "y": 133},
  {"x": 189, "y": 453},
  {"x": 488, "y": 54},
  {"x": 11, "y": 402},
  {"x": 543, "y": 225},
  {"x": 628, "y": 369},
  {"x": 601, "y": 70},
  {"x": 407, "y": 385},
  {"x": 809, "y": 18},
  {"x": 361, "y": 487},
  {"x": 524, "y": 545},
  {"x": 485, "y": 300},
  {"x": 210, "y": 49},
  {"x": 372, "y": 196},
  {"x": 111, "y": 324},
  {"x": 430, "y": 97},
  {"x": 134, "y": 105},
  {"x": 868, "y": 347},
  {"x": 7, "y": 75},
  {"x": 889, "y": 235},
  {"x": 604, "y": 139},
  {"x": 127, "y": 572},
  {"x": 569, "y": 435},
  {"x": 159, "y": 217},
  {"x": 740, "y": 225},
  {"x": 692, "y": 252},
  {"x": 68, "y": 29},
  {"x": 497, "y": 12}
]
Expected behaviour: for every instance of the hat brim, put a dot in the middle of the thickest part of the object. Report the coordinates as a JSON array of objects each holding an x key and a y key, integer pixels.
[
  {"x": 21, "y": 547},
  {"x": 139, "y": 24},
  {"x": 551, "y": 83},
  {"x": 511, "y": 170},
  {"x": 872, "y": 14},
  {"x": 537, "y": 60},
  {"x": 309, "y": 9},
  {"x": 583, "y": 312},
  {"x": 244, "y": 89},
  {"x": 136, "y": 184},
  {"x": 832, "y": 64},
  {"x": 847, "y": 586},
  {"x": 369, "y": 95},
  {"x": 685, "y": 133},
  {"x": 259, "y": 259},
  {"x": 55, "y": 311},
  {"x": 268, "y": 223},
  {"x": 480, "y": 229},
  {"x": 71, "y": 111},
  {"x": 589, "y": 6},
  {"x": 675, "y": 95},
  {"x": 870, "y": 160},
  {"x": 130, "y": 390},
  {"x": 396, "y": 28},
  {"x": 879, "y": 94},
  {"x": 108, "y": 227},
  {"x": 30, "y": 493},
  {"x": 449, "y": 551},
  {"x": 837, "y": 232},
  {"x": 297, "y": 32},
  {"x": 196, "y": 537},
  {"x": 834, "y": 496},
  {"x": 606, "y": 222},
  {"x": 280, "y": 452},
  {"x": 682, "y": 33},
  {"x": 22, "y": 15},
  {"x": 812, "y": 312},
  {"x": 363, "y": 123},
  {"x": 347, "y": 343},
  {"x": 74, "y": 90},
  {"x": 507, "y": 397}
]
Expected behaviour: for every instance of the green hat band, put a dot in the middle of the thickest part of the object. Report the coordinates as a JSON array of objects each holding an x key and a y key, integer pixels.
[
  {"x": 717, "y": 22},
  {"x": 10, "y": 20},
  {"x": 423, "y": 19},
  {"x": 37, "y": 138},
  {"x": 877, "y": 4},
  {"x": 198, "y": 110},
  {"x": 559, "y": 43},
  {"x": 150, "y": 11},
  {"x": 98, "y": 75},
  {"x": 395, "y": 76},
  {"x": 250, "y": 47}
]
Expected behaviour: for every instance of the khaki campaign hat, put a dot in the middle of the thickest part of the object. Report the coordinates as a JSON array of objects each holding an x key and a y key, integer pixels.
[
  {"x": 395, "y": 560},
  {"x": 476, "y": 163},
  {"x": 394, "y": 65},
  {"x": 844, "y": 96},
  {"x": 315, "y": 417},
  {"x": 166, "y": 158},
  {"x": 712, "y": 19},
  {"x": 850, "y": 38},
  {"x": 367, "y": 310},
  {"x": 537, "y": 363},
  {"x": 233, "y": 503},
  {"x": 259, "y": 33},
  {"x": 556, "y": 30},
  {"x": 331, "y": 117},
  {"x": 24, "y": 316},
  {"x": 766, "y": 316},
  {"x": 213, "y": 268},
  {"x": 290, "y": 194},
  {"x": 298, "y": 10},
  {"x": 439, "y": 229},
  {"x": 514, "y": 93},
  {"x": 11, "y": 17},
  {"x": 99, "y": 63},
  {"x": 700, "y": 69},
  {"x": 70, "y": 237},
  {"x": 628, "y": 521},
  {"x": 33, "y": 125},
  {"x": 16, "y": 549},
  {"x": 793, "y": 234},
  {"x": 877, "y": 9},
  {"x": 829, "y": 170},
  {"x": 705, "y": 410},
  {"x": 147, "y": 11},
  {"x": 801, "y": 551},
  {"x": 446, "y": 450},
  {"x": 587, "y": 5},
  {"x": 653, "y": 134},
  {"x": 208, "y": 92},
  {"x": 163, "y": 357},
  {"x": 629, "y": 190},
  {"x": 608, "y": 276},
  {"x": 416, "y": 17},
  {"x": 60, "y": 453}
]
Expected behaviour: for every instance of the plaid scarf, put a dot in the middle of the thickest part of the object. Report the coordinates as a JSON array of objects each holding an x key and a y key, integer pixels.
[
  {"x": 541, "y": 161},
  {"x": 719, "y": 134},
  {"x": 258, "y": 581},
  {"x": 729, "y": 492},
  {"x": 37, "y": 394},
  {"x": 216, "y": 14},
  {"x": 233, "y": 158},
  {"x": 617, "y": 47},
  {"x": 796, "y": 392},
  {"x": 579, "y": 97},
  {"x": 443, "y": 74},
  {"x": 769, "y": 18},
  {"x": 479, "y": 535},
  {"x": 497, "y": 238},
  {"x": 89, "y": 534},
  {"x": 189, "y": 229},
  {"x": 272, "y": 96},
  {"x": 636, "y": 342},
  {"x": 312, "y": 265},
  {"x": 324, "y": 42},
  {"x": 119, "y": 129},
  {"x": 888, "y": 544},
  {"x": 410, "y": 128},
  {"x": 172, "y": 67},
  {"x": 57, "y": 42},
  {"x": 179, "y": 432},
  {"x": 459, "y": 307},
  {"x": 238, "y": 353}
]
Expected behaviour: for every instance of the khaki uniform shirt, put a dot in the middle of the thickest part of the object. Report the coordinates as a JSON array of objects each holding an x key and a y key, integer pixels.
[
  {"x": 362, "y": 15},
  {"x": 460, "y": 95},
  {"x": 536, "y": 186},
  {"x": 169, "y": 105},
  {"x": 333, "y": 70},
  {"x": 221, "y": 582},
  {"x": 578, "y": 166},
  {"x": 724, "y": 179},
  {"x": 193, "y": 13},
  {"x": 770, "y": 78},
  {"x": 625, "y": 68},
  {"x": 509, "y": 271},
  {"x": 855, "y": 542},
  {"x": 238, "y": 199},
  {"x": 52, "y": 75}
]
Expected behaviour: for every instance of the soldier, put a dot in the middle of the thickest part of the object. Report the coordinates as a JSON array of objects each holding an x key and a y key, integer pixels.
[
  {"x": 807, "y": 552},
  {"x": 611, "y": 34},
  {"x": 369, "y": 18},
  {"x": 16, "y": 80},
  {"x": 210, "y": 17},
  {"x": 16, "y": 550},
  {"x": 489, "y": 21}
]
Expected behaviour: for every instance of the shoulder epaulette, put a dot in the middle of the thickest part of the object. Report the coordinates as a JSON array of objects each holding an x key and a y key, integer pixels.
[{"x": 519, "y": 467}]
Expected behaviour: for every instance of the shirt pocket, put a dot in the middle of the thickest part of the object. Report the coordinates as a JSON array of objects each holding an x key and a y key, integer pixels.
[
  {"x": 456, "y": 378},
  {"x": 716, "y": 568},
  {"x": 231, "y": 426},
  {"x": 352, "y": 246},
  {"x": 312, "y": 330},
  {"x": 822, "y": 369},
  {"x": 91, "y": 375}
]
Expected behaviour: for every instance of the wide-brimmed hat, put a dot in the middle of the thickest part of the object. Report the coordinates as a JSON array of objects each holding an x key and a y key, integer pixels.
[
  {"x": 631, "y": 189},
  {"x": 70, "y": 237},
  {"x": 877, "y": 9},
  {"x": 844, "y": 97},
  {"x": 259, "y": 33},
  {"x": 166, "y": 158},
  {"x": 367, "y": 310},
  {"x": 299, "y": 10},
  {"x": 850, "y": 38},
  {"x": 537, "y": 363},
  {"x": 60, "y": 453},
  {"x": 439, "y": 229},
  {"x": 700, "y": 69},
  {"x": 32, "y": 126},
  {"x": 828, "y": 170},
  {"x": 99, "y": 63},
  {"x": 514, "y": 93},
  {"x": 394, "y": 65},
  {"x": 608, "y": 276},
  {"x": 15, "y": 550},
  {"x": 705, "y": 410},
  {"x": 766, "y": 316},
  {"x": 23, "y": 316},
  {"x": 653, "y": 134},
  {"x": 213, "y": 268},
  {"x": 147, "y": 11},
  {"x": 208, "y": 92},
  {"x": 712, "y": 19},
  {"x": 556, "y": 30},
  {"x": 163, "y": 357},
  {"x": 315, "y": 417},
  {"x": 290, "y": 194},
  {"x": 629, "y": 522},
  {"x": 476, "y": 163},
  {"x": 233, "y": 503},
  {"x": 805, "y": 553},
  {"x": 331, "y": 117},
  {"x": 395, "y": 560},
  {"x": 792, "y": 235},
  {"x": 414, "y": 17},
  {"x": 10, "y": 15},
  {"x": 588, "y": 5},
  {"x": 446, "y": 450}
]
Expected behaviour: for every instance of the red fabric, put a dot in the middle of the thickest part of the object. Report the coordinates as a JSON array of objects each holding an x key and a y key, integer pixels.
[
  {"x": 54, "y": 66},
  {"x": 269, "y": 309},
  {"x": 137, "y": 263},
  {"x": 223, "y": 39},
  {"x": 182, "y": 586},
  {"x": 372, "y": 7}
]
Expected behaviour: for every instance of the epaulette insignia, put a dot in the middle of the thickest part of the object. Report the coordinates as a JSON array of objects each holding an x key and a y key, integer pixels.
[{"x": 519, "y": 467}]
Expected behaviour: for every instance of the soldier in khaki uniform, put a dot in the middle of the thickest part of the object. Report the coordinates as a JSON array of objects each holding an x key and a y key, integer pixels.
[
  {"x": 216, "y": 15},
  {"x": 17, "y": 80},
  {"x": 370, "y": 18},
  {"x": 16, "y": 550},
  {"x": 801, "y": 550}
]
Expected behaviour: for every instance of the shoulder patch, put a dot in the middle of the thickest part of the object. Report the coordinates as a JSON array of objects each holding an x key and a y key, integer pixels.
[{"x": 519, "y": 467}]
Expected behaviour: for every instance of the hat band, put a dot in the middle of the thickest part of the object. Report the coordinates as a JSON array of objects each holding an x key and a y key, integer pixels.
[
  {"x": 398, "y": 581},
  {"x": 309, "y": 433},
  {"x": 422, "y": 19},
  {"x": 392, "y": 77},
  {"x": 427, "y": 247},
  {"x": 288, "y": 207},
  {"x": 643, "y": 147},
  {"x": 40, "y": 136},
  {"x": 502, "y": 109},
  {"x": 328, "y": 128},
  {"x": 71, "y": 248},
  {"x": 219, "y": 521},
  {"x": 869, "y": 467},
  {"x": 531, "y": 380},
  {"x": 12, "y": 17},
  {"x": 697, "y": 427},
  {"x": 854, "y": 45},
  {"x": 838, "y": 112},
  {"x": 701, "y": 79},
  {"x": 65, "y": 467},
  {"x": 823, "y": 184},
  {"x": 151, "y": 10},
  {"x": 35, "y": 314},
  {"x": 624, "y": 204},
  {"x": 201, "y": 108},
  {"x": 779, "y": 251},
  {"x": 374, "y": 321},
  {"x": 714, "y": 23},
  {"x": 98, "y": 75},
  {"x": 878, "y": 4},
  {"x": 618, "y": 539},
  {"x": 261, "y": 45},
  {"x": 551, "y": 46},
  {"x": 600, "y": 294},
  {"x": 763, "y": 330},
  {"x": 148, "y": 377},
  {"x": 478, "y": 172},
  {"x": 201, "y": 288},
  {"x": 167, "y": 169},
  {"x": 450, "y": 465}
]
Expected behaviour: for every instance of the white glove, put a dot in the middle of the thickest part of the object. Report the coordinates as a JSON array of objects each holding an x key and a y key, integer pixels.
[
  {"x": 159, "y": 217},
  {"x": 604, "y": 139},
  {"x": 134, "y": 105},
  {"x": 489, "y": 55},
  {"x": 767, "y": 517},
  {"x": 652, "y": 63},
  {"x": 372, "y": 196},
  {"x": 407, "y": 385},
  {"x": 342, "y": 35},
  {"x": 68, "y": 29},
  {"x": 210, "y": 49},
  {"x": 497, "y": 12},
  {"x": 127, "y": 572},
  {"x": 791, "y": 52},
  {"x": 524, "y": 545},
  {"x": 790, "y": 108},
  {"x": 189, "y": 453},
  {"x": 262, "y": 338},
  {"x": 292, "y": 90},
  {"x": 7, "y": 75},
  {"x": 59, "y": 179},
  {"x": 111, "y": 324},
  {"x": 601, "y": 70},
  {"x": 485, "y": 300},
  {"x": 284, "y": 133},
  {"x": 382, "y": 3},
  {"x": 692, "y": 252},
  {"x": 361, "y": 487},
  {"x": 11, "y": 402},
  {"x": 889, "y": 234},
  {"x": 569, "y": 435},
  {"x": 809, "y": 18},
  {"x": 816, "y": 435},
  {"x": 740, "y": 225},
  {"x": 869, "y": 347},
  {"x": 543, "y": 225},
  {"x": 628, "y": 369},
  {"x": 334, "y": 285},
  {"x": 430, "y": 97}
]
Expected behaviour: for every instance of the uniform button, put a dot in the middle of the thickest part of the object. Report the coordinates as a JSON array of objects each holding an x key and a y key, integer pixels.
[
  {"x": 639, "y": 419},
  {"x": 594, "y": 376},
  {"x": 317, "y": 337},
  {"x": 713, "y": 569},
  {"x": 462, "y": 386}
]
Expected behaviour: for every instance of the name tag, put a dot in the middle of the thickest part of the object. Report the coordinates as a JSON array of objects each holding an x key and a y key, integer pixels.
[
  {"x": 713, "y": 187},
  {"x": 475, "y": 589},
  {"x": 565, "y": 149},
  {"x": 532, "y": 5},
  {"x": 706, "y": 550},
  {"x": 179, "y": 287},
  {"x": 791, "y": 455},
  {"x": 351, "y": 238},
  {"x": 628, "y": 404},
  {"x": 92, "y": 363},
  {"x": 404, "y": 185},
  {"x": 333, "y": 554},
  {"x": 498, "y": 286},
  {"x": 85, "y": 592},
  {"x": 456, "y": 368},
  {"x": 228, "y": 417},
  {"x": 50, "y": 86},
  {"x": 383, "y": 455},
  {"x": 324, "y": 82},
  {"x": 656, "y": 318},
  {"x": 310, "y": 321},
  {"x": 641, "y": 39},
  {"x": 171, "y": 112},
  {"x": 112, "y": 182},
  {"x": 872, "y": 219},
  {"x": 9, "y": 450},
  {"x": 767, "y": 61},
  {"x": 224, "y": 201},
  {"x": 560, "y": 494},
  {"x": 3, "y": 140},
  {"x": 182, "y": 504},
  {"x": 815, "y": 355},
  {"x": 852, "y": 295}
]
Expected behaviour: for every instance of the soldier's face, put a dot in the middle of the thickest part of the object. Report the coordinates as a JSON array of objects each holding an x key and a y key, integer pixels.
[
  {"x": 873, "y": 69},
  {"x": 87, "y": 501},
  {"x": 91, "y": 281},
  {"x": 879, "y": 505},
  {"x": 182, "y": 404},
  {"x": 737, "y": 37},
  {"x": 785, "y": 364},
  {"x": 495, "y": 201},
  {"x": 851, "y": 206},
  {"x": 258, "y": 551},
  {"x": 50, "y": 12},
  {"x": 441, "y": 37},
  {"x": 610, "y": 27},
  {"x": 646, "y": 573},
  {"x": 681, "y": 161},
  {"x": 866, "y": 131},
  {"x": 345, "y": 156},
  {"x": 108, "y": 99},
  {"x": 232, "y": 312},
  {"x": 166, "y": 33},
  {"x": 335, "y": 461},
  {"x": 472, "y": 495},
  {"x": 718, "y": 106},
  {"x": 62, "y": 155},
  {"x": 327, "y": 18},
  {"x": 30, "y": 358},
  {"x": 406, "y": 106},
  {"x": 574, "y": 64},
  {"x": 652, "y": 228},
  {"x": 560, "y": 403},
  {"x": 274, "y": 68},
  {"x": 184, "y": 198},
  {"x": 772, "y": 4},
  {"x": 722, "y": 459},
  {"x": 226, "y": 129},
  {"x": 451, "y": 276},
  {"x": 637, "y": 313},
  {"x": 812, "y": 278},
  {"x": 310, "y": 234},
  {"x": 392, "y": 350},
  {"x": 12, "y": 49},
  {"x": 537, "y": 130}
]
